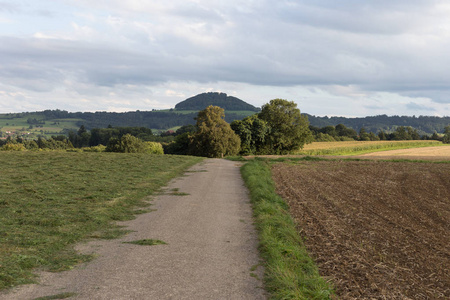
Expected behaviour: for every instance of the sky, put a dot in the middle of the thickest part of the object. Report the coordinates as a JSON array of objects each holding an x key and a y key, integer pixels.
[{"x": 348, "y": 58}]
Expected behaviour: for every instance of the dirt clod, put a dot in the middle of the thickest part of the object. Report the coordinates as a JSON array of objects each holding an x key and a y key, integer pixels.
[{"x": 379, "y": 230}]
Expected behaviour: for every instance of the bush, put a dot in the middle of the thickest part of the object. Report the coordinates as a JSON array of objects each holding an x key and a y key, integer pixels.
[
  {"x": 31, "y": 145},
  {"x": 154, "y": 148},
  {"x": 13, "y": 147},
  {"x": 99, "y": 148},
  {"x": 180, "y": 146},
  {"x": 131, "y": 144},
  {"x": 126, "y": 144}
]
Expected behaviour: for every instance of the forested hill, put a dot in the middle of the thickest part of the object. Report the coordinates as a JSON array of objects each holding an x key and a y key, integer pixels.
[
  {"x": 60, "y": 120},
  {"x": 222, "y": 100},
  {"x": 424, "y": 124}
]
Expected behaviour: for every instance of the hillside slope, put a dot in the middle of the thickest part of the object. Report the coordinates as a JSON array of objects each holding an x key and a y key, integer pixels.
[{"x": 201, "y": 101}]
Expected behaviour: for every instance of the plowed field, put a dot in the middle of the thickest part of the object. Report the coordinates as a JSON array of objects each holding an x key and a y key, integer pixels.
[{"x": 377, "y": 230}]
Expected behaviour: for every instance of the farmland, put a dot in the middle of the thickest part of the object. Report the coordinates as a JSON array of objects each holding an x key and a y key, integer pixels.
[
  {"x": 361, "y": 147},
  {"x": 376, "y": 229},
  {"x": 20, "y": 126}
]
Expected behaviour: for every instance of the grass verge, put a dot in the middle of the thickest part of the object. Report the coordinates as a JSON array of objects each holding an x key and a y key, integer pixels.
[
  {"x": 147, "y": 242},
  {"x": 51, "y": 200},
  {"x": 290, "y": 273}
]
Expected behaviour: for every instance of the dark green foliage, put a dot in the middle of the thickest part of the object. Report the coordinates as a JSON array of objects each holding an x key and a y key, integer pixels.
[
  {"x": 126, "y": 144},
  {"x": 401, "y": 133},
  {"x": 186, "y": 129},
  {"x": 333, "y": 133},
  {"x": 180, "y": 146},
  {"x": 367, "y": 136},
  {"x": 289, "y": 130},
  {"x": 101, "y": 136},
  {"x": 182, "y": 141},
  {"x": 214, "y": 136},
  {"x": 446, "y": 139},
  {"x": 425, "y": 125},
  {"x": 253, "y": 132},
  {"x": 54, "y": 143},
  {"x": 343, "y": 131},
  {"x": 222, "y": 100},
  {"x": 51, "y": 144}
]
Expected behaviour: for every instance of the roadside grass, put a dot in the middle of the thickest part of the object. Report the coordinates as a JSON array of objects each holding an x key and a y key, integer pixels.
[
  {"x": 57, "y": 296},
  {"x": 51, "y": 200},
  {"x": 147, "y": 242},
  {"x": 361, "y": 147},
  {"x": 290, "y": 273}
]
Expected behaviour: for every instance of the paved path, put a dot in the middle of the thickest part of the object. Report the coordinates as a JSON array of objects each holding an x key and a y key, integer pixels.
[{"x": 211, "y": 251}]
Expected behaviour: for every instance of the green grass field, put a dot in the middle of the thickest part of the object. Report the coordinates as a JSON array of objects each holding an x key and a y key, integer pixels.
[
  {"x": 51, "y": 127},
  {"x": 51, "y": 200}
]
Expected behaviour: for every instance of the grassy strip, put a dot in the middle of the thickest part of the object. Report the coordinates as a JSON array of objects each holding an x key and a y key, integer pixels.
[
  {"x": 51, "y": 200},
  {"x": 290, "y": 272},
  {"x": 58, "y": 296},
  {"x": 357, "y": 148},
  {"x": 147, "y": 242}
]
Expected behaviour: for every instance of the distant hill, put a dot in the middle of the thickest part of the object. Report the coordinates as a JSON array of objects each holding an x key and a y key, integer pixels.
[
  {"x": 222, "y": 100},
  {"x": 51, "y": 122},
  {"x": 423, "y": 124}
]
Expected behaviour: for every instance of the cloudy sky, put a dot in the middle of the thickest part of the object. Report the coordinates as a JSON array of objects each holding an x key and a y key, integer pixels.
[{"x": 344, "y": 58}]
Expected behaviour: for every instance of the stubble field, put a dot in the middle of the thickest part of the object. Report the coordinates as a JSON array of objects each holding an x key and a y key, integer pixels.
[{"x": 377, "y": 229}]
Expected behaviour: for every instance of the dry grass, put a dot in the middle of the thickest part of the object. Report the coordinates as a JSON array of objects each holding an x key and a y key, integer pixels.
[
  {"x": 443, "y": 151},
  {"x": 360, "y": 147}
]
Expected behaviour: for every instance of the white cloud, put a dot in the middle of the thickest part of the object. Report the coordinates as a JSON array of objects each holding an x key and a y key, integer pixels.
[{"x": 157, "y": 53}]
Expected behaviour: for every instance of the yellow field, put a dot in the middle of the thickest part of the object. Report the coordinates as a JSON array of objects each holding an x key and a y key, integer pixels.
[
  {"x": 358, "y": 147},
  {"x": 443, "y": 151}
]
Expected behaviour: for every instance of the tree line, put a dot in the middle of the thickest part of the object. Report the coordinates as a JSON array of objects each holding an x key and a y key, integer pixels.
[{"x": 279, "y": 128}]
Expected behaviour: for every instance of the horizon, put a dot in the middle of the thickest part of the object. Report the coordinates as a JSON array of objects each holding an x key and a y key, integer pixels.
[{"x": 130, "y": 111}]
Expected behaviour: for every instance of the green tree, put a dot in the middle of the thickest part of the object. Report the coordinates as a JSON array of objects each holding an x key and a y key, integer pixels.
[
  {"x": 180, "y": 145},
  {"x": 253, "y": 132},
  {"x": 363, "y": 135},
  {"x": 435, "y": 136},
  {"x": 214, "y": 136},
  {"x": 382, "y": 135},
  {"x": 289, "y": 130},
  {"x": 446, "y": 139}
]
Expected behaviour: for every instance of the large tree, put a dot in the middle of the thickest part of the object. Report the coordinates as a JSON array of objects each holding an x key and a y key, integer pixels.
[
  {"x": 446, "y": 139},
  {"x": 253, "y": 132},
  {"x": 289, "y": 130},
  {"x": 214, "y": 136}
]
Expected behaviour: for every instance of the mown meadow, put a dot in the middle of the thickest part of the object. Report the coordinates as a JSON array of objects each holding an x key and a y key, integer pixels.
[{"x": 50, "y": 200}]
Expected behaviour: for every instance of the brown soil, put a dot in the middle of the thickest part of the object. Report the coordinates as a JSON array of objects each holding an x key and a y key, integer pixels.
[{"x": 378, "y": 230}]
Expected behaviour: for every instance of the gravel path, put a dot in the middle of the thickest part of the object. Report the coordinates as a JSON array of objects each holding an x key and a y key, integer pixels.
[{"x": 211, "y": 253}]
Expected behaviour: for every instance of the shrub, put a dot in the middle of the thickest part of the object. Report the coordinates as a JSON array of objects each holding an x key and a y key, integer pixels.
[
  {"x": 131, "y": 144},
  {"x": 153, "y": 148},
  {"x": 99, "y": 148},
  {"x": 13, "y": 147},
  {"x": 125, "y": 144}
]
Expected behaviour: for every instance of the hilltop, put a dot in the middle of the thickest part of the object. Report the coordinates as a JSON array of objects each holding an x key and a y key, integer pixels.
[{"x": 201, "y": 101}]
